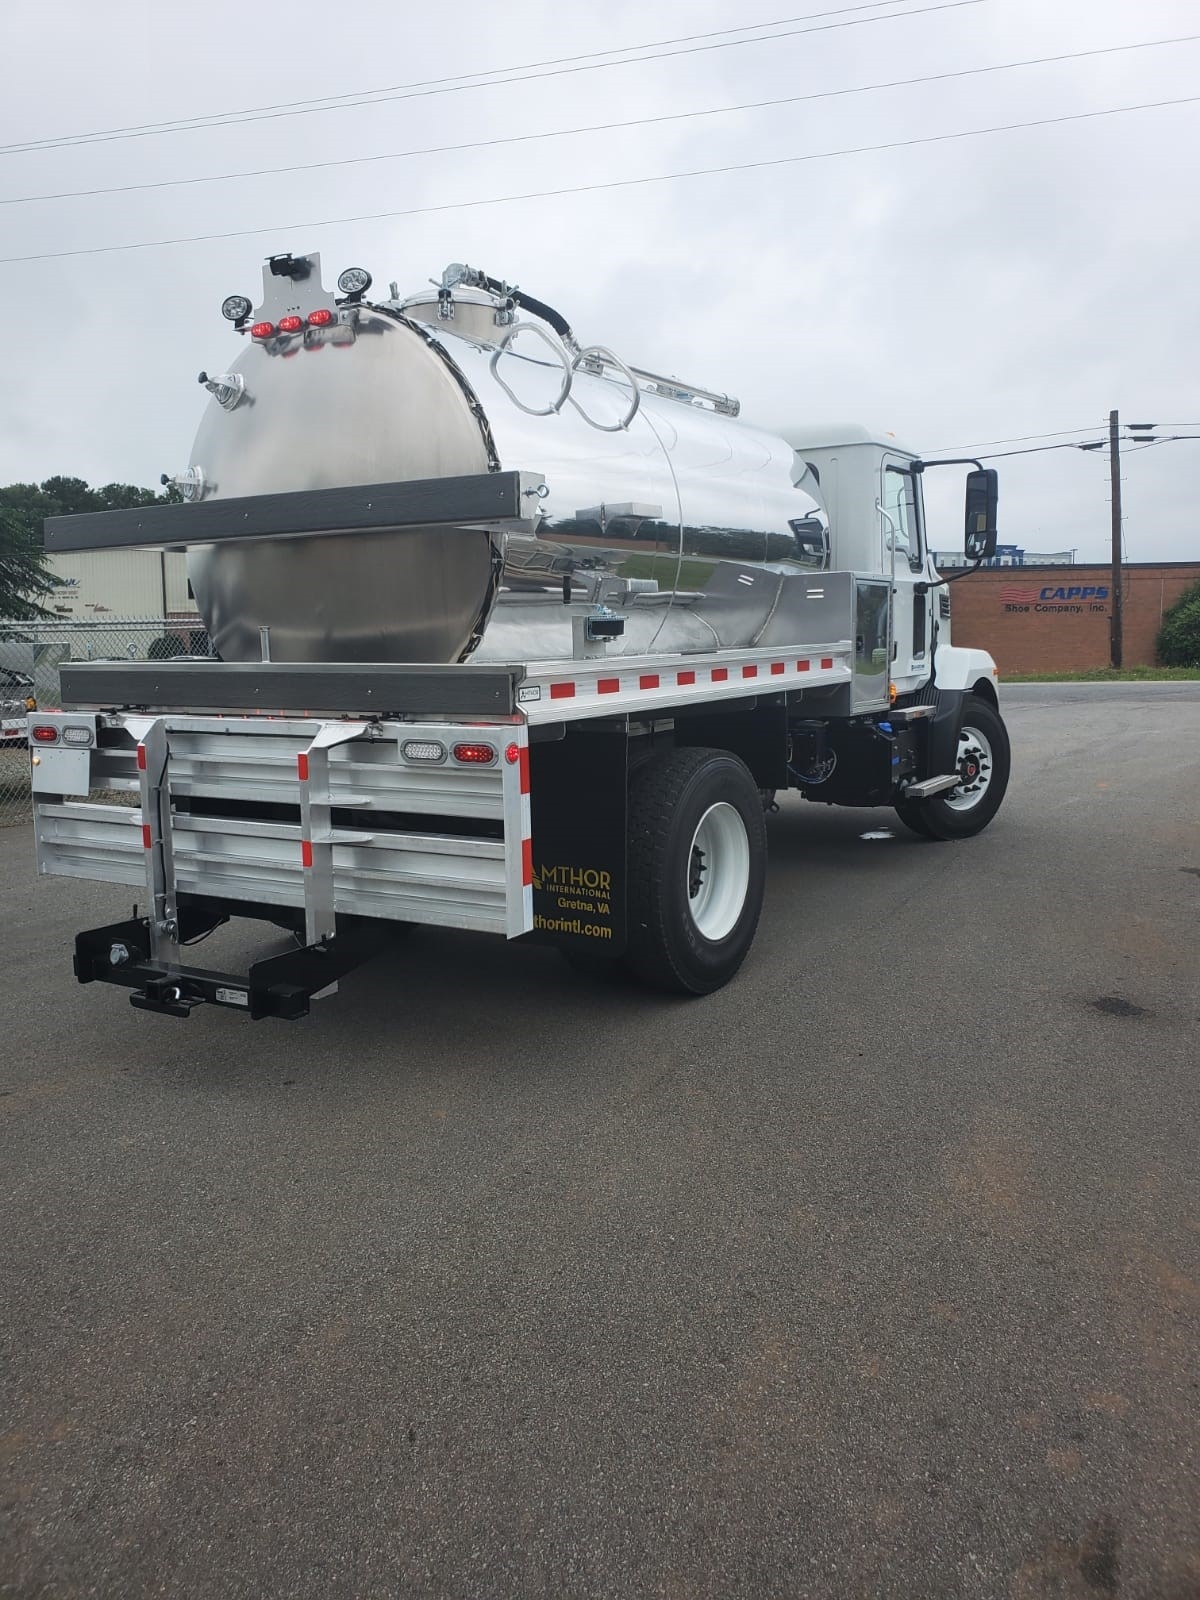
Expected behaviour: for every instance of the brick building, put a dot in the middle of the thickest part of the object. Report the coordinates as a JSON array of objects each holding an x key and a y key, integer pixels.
[{"x": 1056, "y": 619}]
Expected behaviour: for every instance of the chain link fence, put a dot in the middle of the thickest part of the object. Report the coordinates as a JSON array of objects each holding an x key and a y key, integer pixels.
[{"x": 31, "y": 654}]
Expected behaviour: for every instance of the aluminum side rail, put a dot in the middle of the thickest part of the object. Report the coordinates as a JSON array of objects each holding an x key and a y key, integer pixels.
[
  {"x": 500, "y": 500},
  {"x": 280, "y": 687},
  {"x": 537, "y": 692}
]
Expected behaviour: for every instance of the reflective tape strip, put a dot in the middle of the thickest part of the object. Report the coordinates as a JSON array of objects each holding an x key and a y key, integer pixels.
[
  {"x": 524, "y": 768},
  {"x": 802, "y": 666},
  {"x": 608, "y": 686},
  {"x": 719, "y": 674},
  {"x": 147, "y": 837},
  {"x": 777, "y": 667},
  {"x": 826, "y": 663},
  {"x": 648, "y": 681},
  {"x": 562, "y": 691},
  {"x": 302, "y": 766},
  {"x": 141, "y": 757},
  {"x": 526, "y": 862},
  {"x": 749, "y": 670},
  {"x": 684, "y": 678},
  {"x": 306, "y": 857}
]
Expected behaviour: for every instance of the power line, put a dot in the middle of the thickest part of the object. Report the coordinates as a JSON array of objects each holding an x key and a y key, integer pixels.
[
  {"x": 226, "y": 120},
  {"x": 365, "y": 96},
  {"x": 595, "y": 188},
  {"x": 1130, "y": 439},
  {"x": 1053, "y": 433},
  {"x": 1019, "y": 438},
  {"x": 1037, "y": 449},
  {"x": 606, "y": 127}
]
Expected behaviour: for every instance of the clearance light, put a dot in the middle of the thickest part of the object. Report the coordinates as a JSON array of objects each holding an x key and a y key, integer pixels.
[
  {"x": 262, "y": 330},
  {"x": 423, "y": 750},
  {"x": 474, "y": 755},
  {"x": 290, "y": 324},
  {"x": 513, "y": 754},
  {"x": 77, "y": 736},
  {"x": 320, "y": 319},
  {"x": 44, "y": 733}
]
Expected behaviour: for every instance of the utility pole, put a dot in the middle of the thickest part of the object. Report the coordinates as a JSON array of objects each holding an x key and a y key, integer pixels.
[{"x": 1115, "y": 621}]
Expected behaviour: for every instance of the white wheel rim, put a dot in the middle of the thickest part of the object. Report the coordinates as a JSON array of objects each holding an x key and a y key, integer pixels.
[
  {"x": 975, "y": 766},
  {"x": 718, "y": 871}
]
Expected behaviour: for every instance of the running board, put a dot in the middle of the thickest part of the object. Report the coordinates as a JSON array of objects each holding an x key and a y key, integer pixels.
[{"x": 931, "y": 786}]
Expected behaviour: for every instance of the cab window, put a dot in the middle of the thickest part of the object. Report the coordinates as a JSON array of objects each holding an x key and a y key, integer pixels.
[{"x": 900, "y": 522}]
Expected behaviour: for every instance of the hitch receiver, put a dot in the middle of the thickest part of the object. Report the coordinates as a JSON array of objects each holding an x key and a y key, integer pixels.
[{"x": 277, "y": 986}]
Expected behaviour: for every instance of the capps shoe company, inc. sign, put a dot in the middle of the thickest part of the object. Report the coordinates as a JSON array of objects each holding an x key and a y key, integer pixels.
[{"x": 1065, "y": 599}]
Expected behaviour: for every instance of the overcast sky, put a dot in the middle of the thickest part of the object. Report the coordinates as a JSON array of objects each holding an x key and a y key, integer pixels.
[{"x": 1017, "y": 283}]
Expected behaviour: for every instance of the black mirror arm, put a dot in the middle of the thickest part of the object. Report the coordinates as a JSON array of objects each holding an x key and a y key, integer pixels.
[
  {"x": 925, "y": 586},
  {"x": 947, "y": 461}
]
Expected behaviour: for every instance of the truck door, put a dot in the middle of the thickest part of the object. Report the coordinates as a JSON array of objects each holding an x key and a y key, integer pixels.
[{"x": 905, "y": 557}]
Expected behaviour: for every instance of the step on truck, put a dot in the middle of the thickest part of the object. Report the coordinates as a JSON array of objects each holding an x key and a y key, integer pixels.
[{"x": 508, "y": 635}]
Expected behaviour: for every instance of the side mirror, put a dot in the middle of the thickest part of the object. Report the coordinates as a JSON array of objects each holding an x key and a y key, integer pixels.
[
  {"x": 983, "y": 494},
  {"x": 812, "y": 542}
]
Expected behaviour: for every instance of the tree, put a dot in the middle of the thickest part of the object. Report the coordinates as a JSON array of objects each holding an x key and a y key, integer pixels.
[
  {"x": 1179, "y": 636},
  {"x": 25, "y": 577}
]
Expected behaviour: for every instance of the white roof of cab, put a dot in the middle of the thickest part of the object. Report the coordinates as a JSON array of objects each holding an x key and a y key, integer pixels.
[{"x": 832, "y": 435}]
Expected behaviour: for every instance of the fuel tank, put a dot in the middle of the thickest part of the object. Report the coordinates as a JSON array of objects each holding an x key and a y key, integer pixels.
[{"x": 661, "y": 506}]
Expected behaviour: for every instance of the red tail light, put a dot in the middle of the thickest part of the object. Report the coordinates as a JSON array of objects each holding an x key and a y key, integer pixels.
[
  {"x": 44, "y": 733},
  {"x": 262, "y": 330},
  {"x": 477, "y": 755},
  {"x": 290, "y": 324},
  {"x": 319, "y": 319}
]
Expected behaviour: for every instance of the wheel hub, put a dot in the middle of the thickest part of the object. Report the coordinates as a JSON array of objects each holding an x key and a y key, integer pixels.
[
  {"x": 696, "y": 871},
  {"x": 974, "y": 770},
  {"x": 718, "y": 872}
]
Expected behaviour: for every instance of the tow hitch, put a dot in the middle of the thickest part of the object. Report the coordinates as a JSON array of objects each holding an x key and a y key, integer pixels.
[{"x": 277, "y": 986}]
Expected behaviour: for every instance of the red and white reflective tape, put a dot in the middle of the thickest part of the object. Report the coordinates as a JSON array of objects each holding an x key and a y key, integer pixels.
[{"x": 686, "y": 677}]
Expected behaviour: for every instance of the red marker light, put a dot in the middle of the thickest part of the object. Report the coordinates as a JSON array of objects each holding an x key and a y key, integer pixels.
[
  {"x": 319, "y": 319},
  {"x": 262, "y": 330},
  {"x": 44, "y": 733},
  {"x": 478, "y": 755},
  {"x": 513, "y": 754},
  {"x": 290, "y": 324}
]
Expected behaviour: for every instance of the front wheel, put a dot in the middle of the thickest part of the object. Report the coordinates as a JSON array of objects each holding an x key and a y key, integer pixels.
[
  {"x": 984, "y": 761},
  {"x": 697, "y": 869}
]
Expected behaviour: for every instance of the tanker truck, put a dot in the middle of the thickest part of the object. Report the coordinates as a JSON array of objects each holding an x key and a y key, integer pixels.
[{"x": 509, "y": 636}]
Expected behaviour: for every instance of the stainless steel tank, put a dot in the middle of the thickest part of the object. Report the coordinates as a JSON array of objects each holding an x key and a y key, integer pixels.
[{"x": 661, "y": 503}]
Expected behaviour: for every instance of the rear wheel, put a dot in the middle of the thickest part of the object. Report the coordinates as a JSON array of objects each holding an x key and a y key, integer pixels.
[
  {"x": 697, "y": 869},
  {"x": 984, "y": 762}
]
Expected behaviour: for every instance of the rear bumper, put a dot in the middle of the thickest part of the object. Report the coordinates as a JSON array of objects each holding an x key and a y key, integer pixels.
[{"x": 276, "y": 986}]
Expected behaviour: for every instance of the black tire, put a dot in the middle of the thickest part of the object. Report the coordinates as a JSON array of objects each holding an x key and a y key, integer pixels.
[
  {"x": 936, "y": 818},
  {"x": 668, "y": 799}
]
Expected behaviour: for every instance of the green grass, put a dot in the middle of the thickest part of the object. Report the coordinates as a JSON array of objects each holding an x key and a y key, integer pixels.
[{"x": 1110, "y": 675}]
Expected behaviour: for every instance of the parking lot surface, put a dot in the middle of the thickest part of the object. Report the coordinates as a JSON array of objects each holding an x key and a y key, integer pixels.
[{"x": 877, "y": 1273}]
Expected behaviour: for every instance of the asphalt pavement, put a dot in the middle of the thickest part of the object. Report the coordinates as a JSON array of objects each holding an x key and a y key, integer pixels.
[{"x": 875, "y": 1274}]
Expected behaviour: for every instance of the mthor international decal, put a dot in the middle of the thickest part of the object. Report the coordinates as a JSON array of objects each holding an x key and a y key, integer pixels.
[
  {"x": 1063, "y": 599},
  {"x": 563, "y": 890}
]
